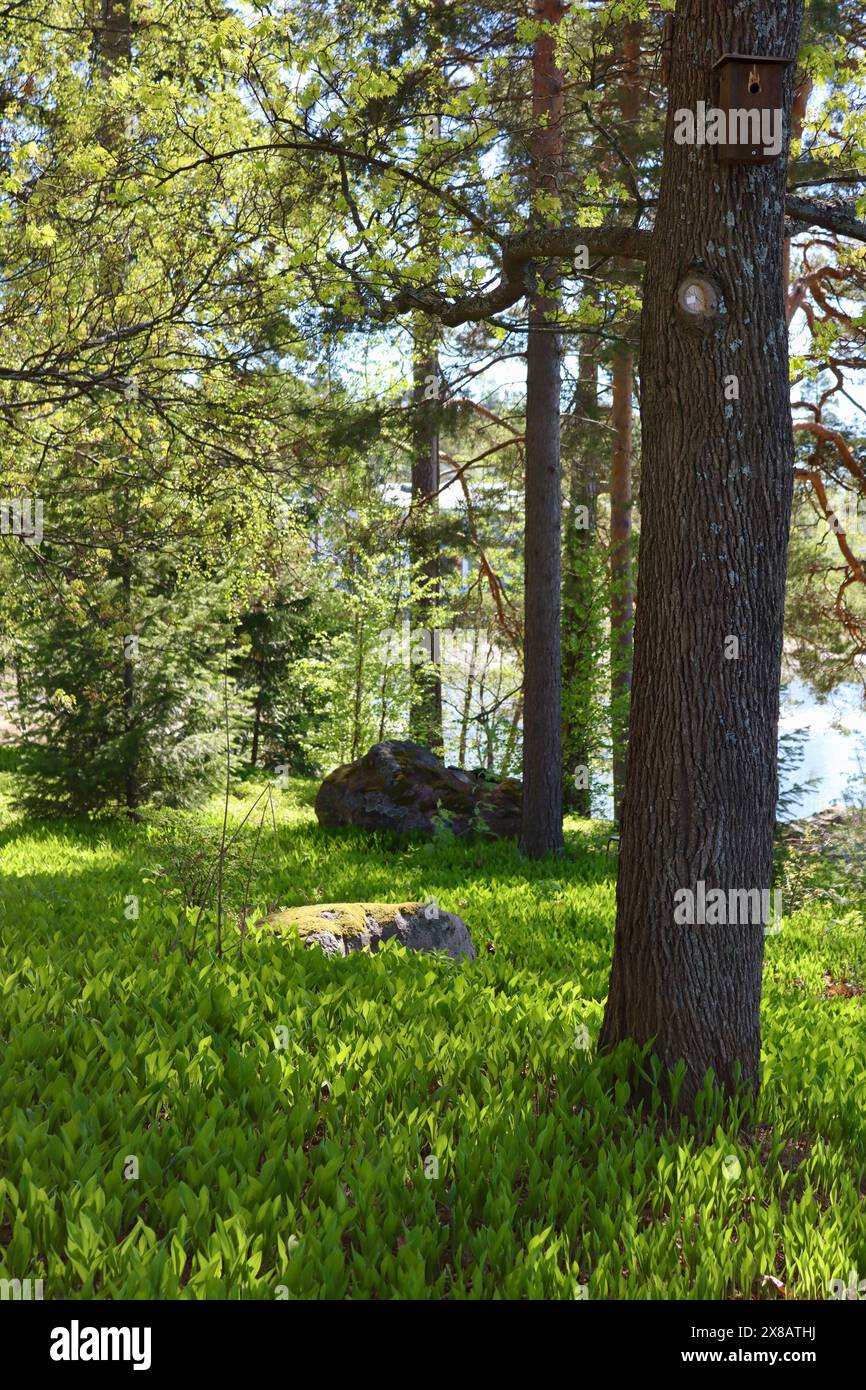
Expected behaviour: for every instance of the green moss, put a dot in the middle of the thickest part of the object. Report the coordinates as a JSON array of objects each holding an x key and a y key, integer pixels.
[{"x": 349, "y": 919}]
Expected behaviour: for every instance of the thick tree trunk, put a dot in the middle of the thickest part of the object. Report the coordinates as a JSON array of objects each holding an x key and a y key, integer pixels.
[
  {"x": 541, "y": 822},
  {"x": 621, "y": 592},
  {"x": 717, "y": 477}
]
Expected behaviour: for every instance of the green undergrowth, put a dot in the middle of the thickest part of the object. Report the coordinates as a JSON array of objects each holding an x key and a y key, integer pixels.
[{"x": 395, "y": 1125}]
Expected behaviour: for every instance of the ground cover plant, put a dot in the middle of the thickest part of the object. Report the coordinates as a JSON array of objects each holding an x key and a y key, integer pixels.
[
  {"x": 394, "y": 1125},
  {"x": 432, "y": 515}
]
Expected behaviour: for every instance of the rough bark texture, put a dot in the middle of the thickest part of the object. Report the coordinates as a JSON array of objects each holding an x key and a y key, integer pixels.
[
  {"x": 715, "y": 504},
  {"x": 541, "y": 826}
]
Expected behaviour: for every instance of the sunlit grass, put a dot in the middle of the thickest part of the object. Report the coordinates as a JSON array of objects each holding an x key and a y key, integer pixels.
[{"x": 206, "y": 1080}]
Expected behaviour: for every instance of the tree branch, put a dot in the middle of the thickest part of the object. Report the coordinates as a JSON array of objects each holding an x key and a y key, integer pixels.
[
  {"x": 833, "y": 216},
  {"x": 542, "y": 244}
]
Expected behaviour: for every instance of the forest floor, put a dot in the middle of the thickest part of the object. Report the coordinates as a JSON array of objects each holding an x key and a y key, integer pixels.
[{"x": 292, "y": 1125}]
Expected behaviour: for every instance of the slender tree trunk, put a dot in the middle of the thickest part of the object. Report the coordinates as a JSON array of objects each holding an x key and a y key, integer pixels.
[
  {"x": 112, "y": 48},
  {"x": 717, "y": 477},
  {"x": 425, "y": 667},
  {"x": 425, "y": 714},
  {"x": 580, "y": 584},
  {"x": 511, "y": 741},
  {"x": 21, "y": 728},
  {"x": 257, "y": 726},
  {"x": 621, "y": 590},
  {"x": 131, "y": 779},
  {"x": 358, "y": 692},
  {"x": 799, "y": 106},
  {"x": 541, "y": 822},
  {"x": 621, "y": 582},
  {"x": 467, "y": 700},
  {"x": 383, "y": 703}
]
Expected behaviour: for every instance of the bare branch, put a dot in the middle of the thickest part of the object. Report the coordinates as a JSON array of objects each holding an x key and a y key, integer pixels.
[{"x": 833, "y": 216}]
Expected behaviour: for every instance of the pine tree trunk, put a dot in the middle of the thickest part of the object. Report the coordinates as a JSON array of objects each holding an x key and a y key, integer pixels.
[
  {"x": 621, "y": 593},
  {"x": 541, "y": 822},
  {"x": 621, "y": 583},
  {"x": 425, "y": 713},
  {"x": 580, "y": 581},
  {"x": 717, "y": 477},
  {"x": 358, "y": 687}
]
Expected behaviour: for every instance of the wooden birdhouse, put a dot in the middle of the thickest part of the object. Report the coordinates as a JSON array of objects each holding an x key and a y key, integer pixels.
[{"x": 751, "y": 98}]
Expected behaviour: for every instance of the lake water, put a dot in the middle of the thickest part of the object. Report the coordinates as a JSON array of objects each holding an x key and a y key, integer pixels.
[{"x": 837, "y": 732}]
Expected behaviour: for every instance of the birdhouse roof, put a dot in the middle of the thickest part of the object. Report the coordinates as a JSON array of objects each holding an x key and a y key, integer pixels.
[{"x": 748, "y": 58}]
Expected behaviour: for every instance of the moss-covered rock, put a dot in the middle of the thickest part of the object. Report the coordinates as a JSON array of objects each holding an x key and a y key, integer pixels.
[
  {"x": 344, "y": 919},
  {"x": 402, "y": 787},
  {"x": 340, "y": 928}
]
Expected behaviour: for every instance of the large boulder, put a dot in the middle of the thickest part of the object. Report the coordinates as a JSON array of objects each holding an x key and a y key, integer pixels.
[
  {"x": 340, "y": 928},
  {"x": 402, "y": 786}
]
